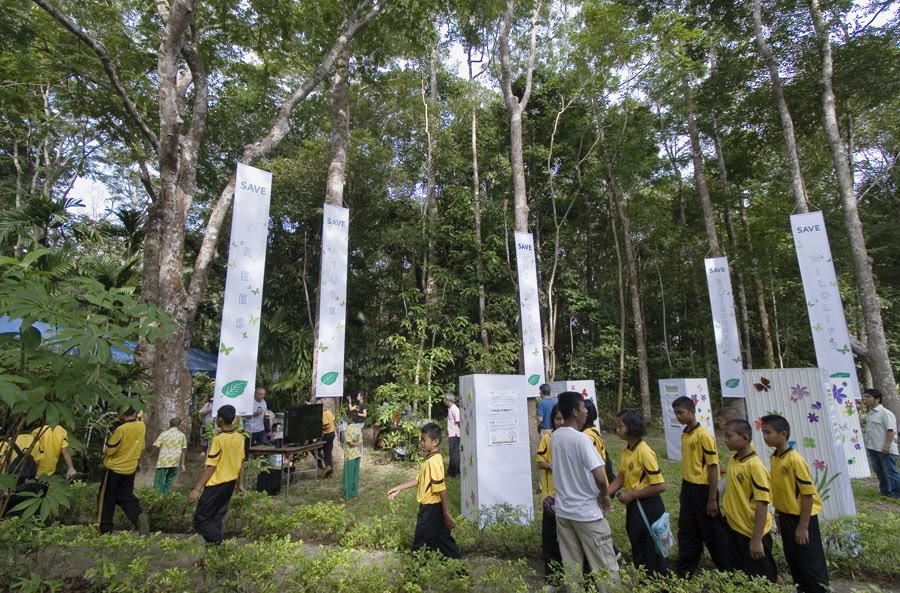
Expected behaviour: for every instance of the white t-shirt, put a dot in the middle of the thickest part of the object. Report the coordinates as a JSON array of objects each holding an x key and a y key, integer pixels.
[
  {"x": 453, "y": 421},
  {"x": 574, "y": 457},
  {"x": 878, "y": 422},
  {"x": 257, "y": 422}
]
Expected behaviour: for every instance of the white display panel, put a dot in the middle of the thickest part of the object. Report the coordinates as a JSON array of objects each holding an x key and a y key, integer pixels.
[
  {"x": 586, "y": 388},
  {"x": 803, "y": 397},
  {"x": 495, "y": 459},
  {"x": 669, "y": 391}
]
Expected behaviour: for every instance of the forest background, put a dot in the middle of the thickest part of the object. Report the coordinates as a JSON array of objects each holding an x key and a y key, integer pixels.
[{"x": 651, "y": 135}]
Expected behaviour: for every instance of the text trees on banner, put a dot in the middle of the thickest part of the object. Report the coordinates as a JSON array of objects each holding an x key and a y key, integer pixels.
[
  {"x": 242, "y": 303},
  {"x": 829, "y": 330},
  {"x": 332, "y": 302},
  {"x": 728, "y": 345},
  {"x": 529, "y": 310}
]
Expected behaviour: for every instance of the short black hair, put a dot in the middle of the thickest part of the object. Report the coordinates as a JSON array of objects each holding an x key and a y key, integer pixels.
[
  {"x": 129, "y": 411},
  {"x": 226, "y": 413},
  {"x": 875, "y": 393},
  {"x": 174, "y": 422},
  {"x": 779, "y": 423},
  {"x": 553, "y": 413},
  {"x": 634, "y": 423},
  {"x": 568, "y": 403},
  {"x": 591, "y": 413},
  {"x": 684, "y": 402},
  {"x": 741, "y": 427},
  {"x": 544, "y": 388},
  {"x": 433, "y": 432}
]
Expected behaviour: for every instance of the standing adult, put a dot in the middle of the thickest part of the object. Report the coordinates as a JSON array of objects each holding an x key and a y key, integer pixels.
[
  {"x": 581, "y": 494},
  {"x": 881, "y": 447},
  {"x": 453, "y": 422},
  {"x": 545, "y": 409},
  {"x": 257, "y": 423},
  {"x": 357, "y": 413}
]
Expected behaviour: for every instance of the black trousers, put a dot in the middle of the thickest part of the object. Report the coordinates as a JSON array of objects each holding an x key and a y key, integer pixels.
[
  {"x": 643, "y": 550},
  {"x": 453, "y": 468},
  {"x": 696, "y": 528},
  {"x": 117, "y": 489},
  {"x": 806, "y": 563},
  {"x": 739, "y": 555},
  {"x": 211, "y": 509},
  {"x": 432, "y": 532},
  {"x": 326, "y": 453},
  {"x": 550, "y": 546}
]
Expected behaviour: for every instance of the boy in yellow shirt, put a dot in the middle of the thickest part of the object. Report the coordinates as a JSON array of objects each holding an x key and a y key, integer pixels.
[
  {"x": 549, "y": 542},
  {"x": 223, "y": 475},
  {"x": 796, "y": 499},
  {"x": 121, "y": 460},
  {"x": 434, "y": 522},
  {"x": 746, "y": 506},
  {"x": 55, "y": 443}
]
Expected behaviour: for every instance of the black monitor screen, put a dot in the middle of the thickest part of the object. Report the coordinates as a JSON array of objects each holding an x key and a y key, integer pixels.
[{"x": 302, "y": 424}]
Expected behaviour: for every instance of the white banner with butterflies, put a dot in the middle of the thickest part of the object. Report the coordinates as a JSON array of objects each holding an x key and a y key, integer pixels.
[
  {"x": 242, "y": 302},
  {"x": 332, "y": 302},
  {"x": 829, "y": 326},
  {"x": 530, "y": 312},
  {"x": 669, "y": 391},
  {"x": 728, "y": 342},
  {"x": 803, "y": 397}
]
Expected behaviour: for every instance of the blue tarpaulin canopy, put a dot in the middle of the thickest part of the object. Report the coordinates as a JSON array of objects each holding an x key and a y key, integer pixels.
[{"x": 199, "y": 361}]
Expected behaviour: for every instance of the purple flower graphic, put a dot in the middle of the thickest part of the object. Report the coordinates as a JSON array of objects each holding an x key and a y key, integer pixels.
[
  {"x": 838, "y": 393},
  {"x": 857, "y": 446},
  {"x": 819, "y": 465},
  {"x": 798, "y": 392},
  {"x": 812, "y": 417}
]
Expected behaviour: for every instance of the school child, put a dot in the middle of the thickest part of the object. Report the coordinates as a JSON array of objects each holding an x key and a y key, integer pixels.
[
  {"x": 639, "y": 483},
  {"x": 746, "y": 506},
  {"x": 170, "y": 445},
  {"x": 352, "y": 460},
  {"x": 549, "y": 541},
  {"x": 797, "y": 501},
  {"x": 326, "y": 461},
  {"x": 699, "y": 521},
  {"x": 434, "y": 522},
  {"x": 55, "y": 443},
  {"x": 223, "y": 474},
  {"x": 121, "y": 460},
  {"x": 590, "y": 429}
]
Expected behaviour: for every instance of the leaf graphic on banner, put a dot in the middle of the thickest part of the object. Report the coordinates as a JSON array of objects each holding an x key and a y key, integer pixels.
[
  {"x": 840, "y": 375},
  {"x": 329, "y": 378},
  {"x": 732, "y": 383},
  {"x": 234, "y": 388},
  {"x": 533, "y": 379}
]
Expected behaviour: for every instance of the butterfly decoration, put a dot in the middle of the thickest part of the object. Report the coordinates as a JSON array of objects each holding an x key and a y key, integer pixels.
[
  {"x": 695, "y": 399},
  {"x": 816, "y": 406},
  {"x": 225, "y": 349},
  {"x": 763, "y": 385}
]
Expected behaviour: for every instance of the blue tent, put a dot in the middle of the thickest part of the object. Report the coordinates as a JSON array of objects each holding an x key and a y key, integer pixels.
[{"x": 199, "y": 361}]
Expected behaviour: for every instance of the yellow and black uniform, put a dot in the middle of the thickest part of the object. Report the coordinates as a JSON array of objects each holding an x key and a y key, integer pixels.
[
  {"x": 545, "y": 455},
  {"x": 791, "y": 481},
  {"x": 695, "y": 526},
  {"x": 431, "y": 530},
  {"x": 226, "y": 454},
  {"x": 549, "y": 542},
  {"x": 22, "y": 443},
  {"x": 123, "y": 452},
  {"x": 600, "y": 446},
  {"x": 326, "y": 455},
  {"x": 640, "y": 469},
  {"x": 747, "y": 484},
  {"x": 53, "y": 441}
]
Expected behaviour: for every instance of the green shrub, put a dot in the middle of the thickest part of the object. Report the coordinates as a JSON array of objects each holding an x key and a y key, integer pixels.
[{"x": 503, "y": 531}]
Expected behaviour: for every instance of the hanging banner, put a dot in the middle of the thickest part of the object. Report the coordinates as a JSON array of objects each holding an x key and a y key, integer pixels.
[
  {"x": 728, "y": 344},
  {"x": 332, "y": 301},
  {"x": 530, "y": 312},
  {"x": 829, "y": 332},
  {"x": 242, "y": 303}
]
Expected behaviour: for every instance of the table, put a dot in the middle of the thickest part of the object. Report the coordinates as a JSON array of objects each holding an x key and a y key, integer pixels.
[{"x": 291, "y": 453}]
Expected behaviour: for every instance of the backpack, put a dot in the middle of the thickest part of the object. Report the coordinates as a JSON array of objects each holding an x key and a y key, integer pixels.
[{"x": 23, "y": 465}]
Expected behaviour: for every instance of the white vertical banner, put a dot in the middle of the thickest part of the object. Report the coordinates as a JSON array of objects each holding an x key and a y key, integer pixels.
[
  {"x": 332, "y": 301},
  {"x": 242, "y": 303},
  {"x": 529, "y": 311},
  {"x": 831, "y": 337},
  {"x": 728, "y": 344}
]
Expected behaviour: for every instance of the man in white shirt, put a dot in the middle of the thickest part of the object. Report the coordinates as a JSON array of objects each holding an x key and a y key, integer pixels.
[
  {"x": 453, "y": 422},
  {"x": 881, "y": 446},
  {"x": 257, "y": 424},
  {"x": 581, "y": 497}
]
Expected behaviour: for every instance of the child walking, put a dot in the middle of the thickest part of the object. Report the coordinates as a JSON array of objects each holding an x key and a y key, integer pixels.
[
  {"x": 642, "y": 483},
  {"x": 171, "y": 445},
  {"x": 121, "y": 460},
  {"x": 699, "y": 521},
  {"x": 434, "y": 522},
  {"x": 223, "y": 474},
  {"x": 352, "y": 459},
  {"x": 746, "y": 506},
  {"x": 549, "y": 541},
  {"x": 797, "y": 501}
]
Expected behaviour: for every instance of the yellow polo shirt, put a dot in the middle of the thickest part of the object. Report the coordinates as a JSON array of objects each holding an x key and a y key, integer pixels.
[
  {"x": 430, "y": 480},
  {"x": 597, "y": 440},
  {"x": 790, "y": 481},
  {"x": 52, "y": 442},
  {"x": 746, "y": 484},
  {"x": 226, "y": 454},
  {"x": 640, "y": 467},
  {"x": 327, "y": 421},
  {"x": 698, "y": 452},
  {"x": 124, "y": 447},
  {"x": 546, "y": 455},
  {"x": 23, "y": 441}
]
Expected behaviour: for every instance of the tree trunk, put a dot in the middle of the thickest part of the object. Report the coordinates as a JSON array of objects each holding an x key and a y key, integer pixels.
[
  {"x": 759, "y": 289},
  {"x": 875, "y": 351},
  {"x": 787, "y": 122},
  {"x": 476, "y": 195},
  {"x": 709, "y": 215}
]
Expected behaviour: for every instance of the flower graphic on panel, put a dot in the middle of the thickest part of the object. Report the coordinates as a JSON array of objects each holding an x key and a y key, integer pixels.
[
  {"x": 758, "y": 423},
  {"x": 809, "y": 442},
  {"x": 695, "y": 399},
  {"x": 798, "y": 392},
  {"x": 849, "y": 408},
  {"x": 812, "y": 417},
  {"x": 838, "y": 393},
  {"x": 819, "y": 465}
]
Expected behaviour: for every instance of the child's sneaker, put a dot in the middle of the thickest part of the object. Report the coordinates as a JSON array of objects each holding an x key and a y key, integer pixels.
[{"x": 143, "y": 524}]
